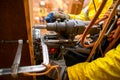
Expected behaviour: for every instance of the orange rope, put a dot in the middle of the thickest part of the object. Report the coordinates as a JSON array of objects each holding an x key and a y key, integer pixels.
[
  {"x": 105, "y": 26},
  {"x": 106, "y": 15},
  {"x": 49, "y": 68},
  {"x": 110, "y": 36},
  {"x": 92, "y": 22},
  {"x": 99, "y": 20},
  {"x": 114, "y": 37},
  {"x": 112, "y": 43},
  {"x": 117, "y": 30}
]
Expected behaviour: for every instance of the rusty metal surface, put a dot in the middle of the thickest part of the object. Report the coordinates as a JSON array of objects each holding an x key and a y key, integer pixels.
[{"x": 13, "y": 27}]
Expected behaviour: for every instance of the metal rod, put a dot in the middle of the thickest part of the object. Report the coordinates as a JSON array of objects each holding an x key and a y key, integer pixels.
[
  {"x": 37, "y": 26},
  {"x": 57, "y": 41},
  {"x": 112, "y": 26},
  {"x": 11, "y": 41},
  {"x": 35, "y": 68},
  {"x": 17, "y": 59},
  {"x": 45, "y": 52}
]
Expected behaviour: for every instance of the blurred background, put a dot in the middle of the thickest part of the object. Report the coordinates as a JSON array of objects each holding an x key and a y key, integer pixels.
[{"x": 42, "y": 7}]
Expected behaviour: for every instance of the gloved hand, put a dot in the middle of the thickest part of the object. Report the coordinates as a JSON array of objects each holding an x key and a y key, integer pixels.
[{"x": 56, "y": 16}]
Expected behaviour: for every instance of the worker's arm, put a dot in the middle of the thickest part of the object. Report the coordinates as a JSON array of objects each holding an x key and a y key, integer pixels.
[{"x": 106, "y": 68}]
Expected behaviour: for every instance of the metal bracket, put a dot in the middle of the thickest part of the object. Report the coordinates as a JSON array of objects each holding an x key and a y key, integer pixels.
[{"x": 36, "y": 68}]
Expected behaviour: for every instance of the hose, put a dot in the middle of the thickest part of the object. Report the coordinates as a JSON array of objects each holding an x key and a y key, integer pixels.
[
  {"x": 90, "y": 25},
  {"x": 105, "y": 26},
  {"x": 115, "y": 37}
]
